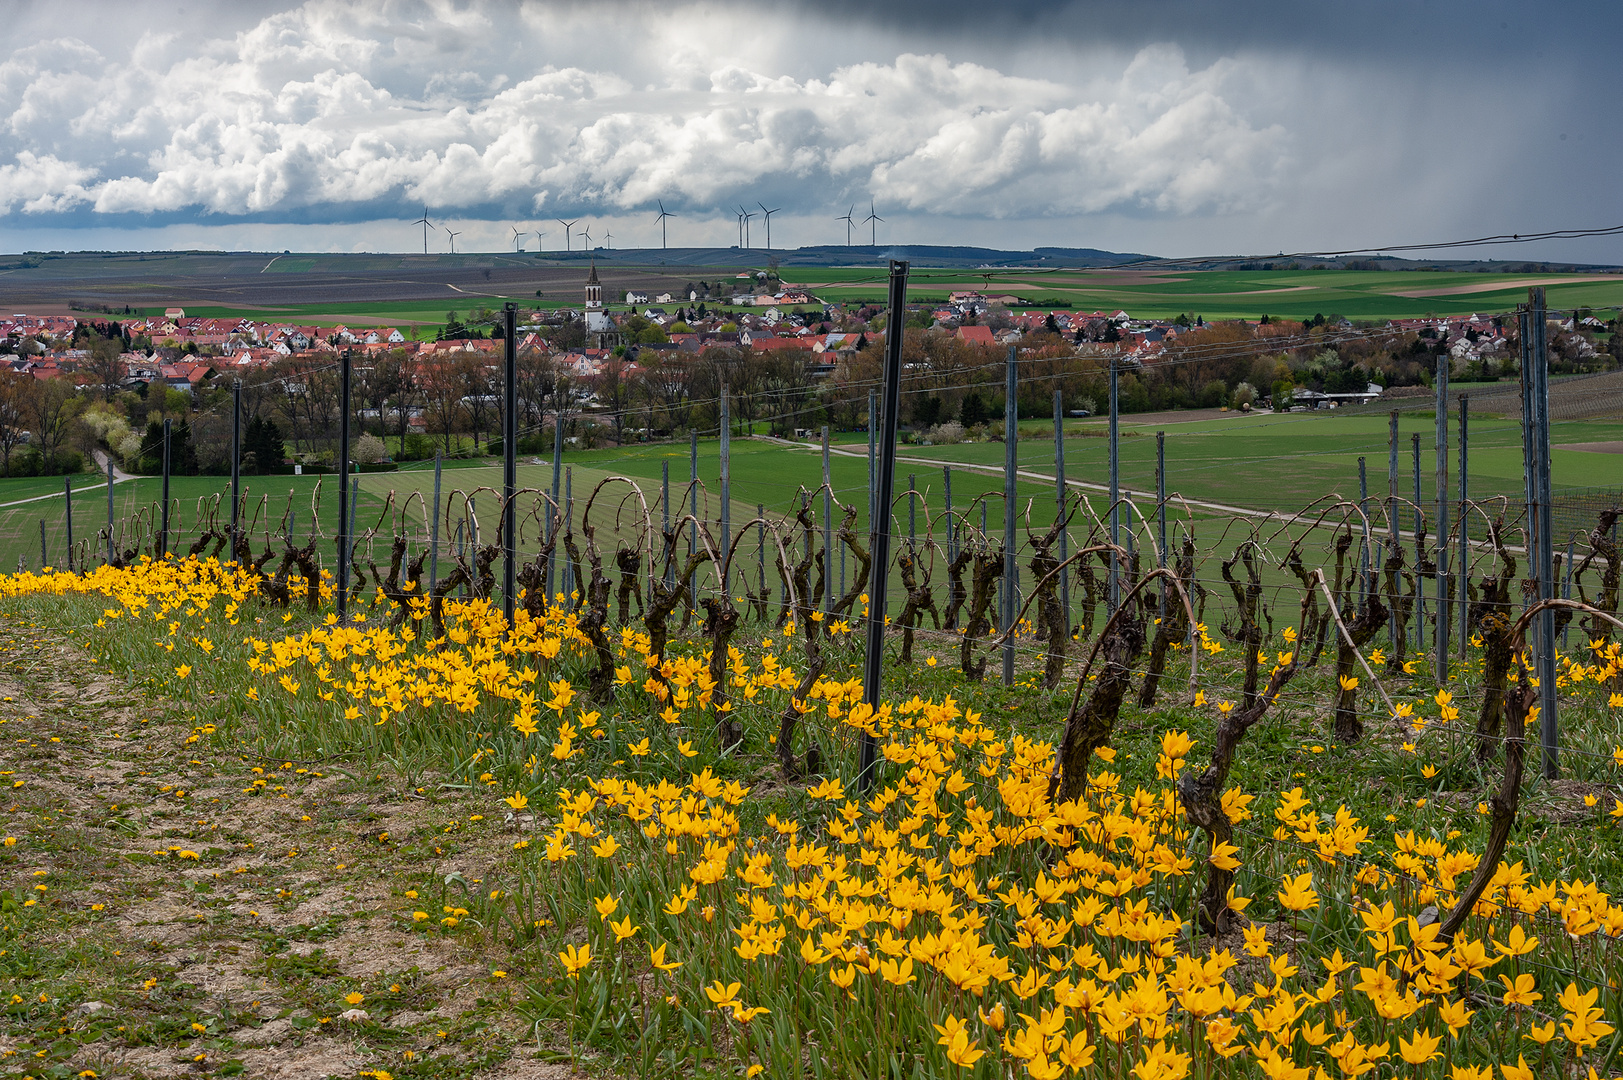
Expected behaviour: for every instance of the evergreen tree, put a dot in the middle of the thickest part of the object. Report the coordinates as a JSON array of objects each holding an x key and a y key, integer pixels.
[{"x": 262, "y": 439}]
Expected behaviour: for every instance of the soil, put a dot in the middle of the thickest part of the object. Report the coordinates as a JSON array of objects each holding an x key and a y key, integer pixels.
[
  {"x": 1593, "y": 447},
  {"x": 196, "y": 913}
]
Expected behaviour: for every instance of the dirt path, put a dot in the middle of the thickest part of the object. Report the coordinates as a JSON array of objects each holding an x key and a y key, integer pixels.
[{"x": 169, "y": 908}]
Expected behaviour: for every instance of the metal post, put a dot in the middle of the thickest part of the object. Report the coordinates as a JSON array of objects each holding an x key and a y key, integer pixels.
[
  {"x": 1549, "y": 729},
  {"x": 1419, "y": 578},
  {"x": 1393, "y": 540},
  {"x": 828, "y": 532},
  {"x": 665, "y": 514},
  {"x": 42, "y": 559},
  {"x": 760, "y": 549},
  {"x": 1115, "y": 489},
  {"x": 510, "y": 462},
  {"x": 434, "y": 531},
  {"x": 693, "y": 489},
  {"x": 873, "y": 667},
  {"x": 110, "y": 509},
  {"x": 343, "y": 487},
  {"x": 912, "y": 514},
  {"x": 1161, "y": 511},
  {"x": 557, "y": 477},
  {"x": 1011, "y": 463},
  {"x": 952, "y": 531},
  {"x": 873, "y": 462},
  {"x": 1440, "y": 638},
  {"x": 726, "y": 486},
  {"x": 1061, "y": 497},
  {"x": 1464, "y": 571},
  {"x": 163, "y": 532},
  {"x": 1566, "y": 589},
  {"x": 67, "y": 516},
  {"x": 1364, "y": 543},
  {"x": 236, "y": 462}
]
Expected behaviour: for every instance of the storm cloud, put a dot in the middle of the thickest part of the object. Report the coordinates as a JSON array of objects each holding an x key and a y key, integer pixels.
[{"x": 1034, "y": 123}]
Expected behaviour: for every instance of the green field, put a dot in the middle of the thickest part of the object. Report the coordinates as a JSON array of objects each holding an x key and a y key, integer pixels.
[
  {"x": 1147, "y": 294},
  {"x": 1229, "y": 294},
  {"x": 1261, "y": 464}
]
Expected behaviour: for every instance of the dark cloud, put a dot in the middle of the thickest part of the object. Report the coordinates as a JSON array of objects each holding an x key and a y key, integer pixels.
[{"x": 1173, "y": 126}]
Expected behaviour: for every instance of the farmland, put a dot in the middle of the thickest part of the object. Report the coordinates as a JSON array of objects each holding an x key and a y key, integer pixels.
[{"x": 419, "y": 289}]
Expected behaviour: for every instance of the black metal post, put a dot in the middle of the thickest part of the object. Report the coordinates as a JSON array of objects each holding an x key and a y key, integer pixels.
[
  {"x": 434, "y": 531},
  {"x": 163, "y": 532},
  {"x": 236, "y": 461},
  {"x": 879, "y": 528},
  {"x": 1440, "y": 635},
  {"x": 67, "y": 516},
  {"x": 1011, "y": 466},
  {"x": 1115, "y": 489},
  {"x": 343, "y": 487},
  {"x": 510, "y": 462},
  {"x": 1463, "y": 573},
  {"x": 1544, "y": 566}
]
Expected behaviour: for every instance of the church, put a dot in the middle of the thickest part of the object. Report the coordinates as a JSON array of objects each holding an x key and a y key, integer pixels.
[{"x": 601, "y": 333}]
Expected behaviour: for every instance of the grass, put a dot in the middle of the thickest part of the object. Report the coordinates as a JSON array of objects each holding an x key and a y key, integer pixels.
[{"x": 523, "y": 907}]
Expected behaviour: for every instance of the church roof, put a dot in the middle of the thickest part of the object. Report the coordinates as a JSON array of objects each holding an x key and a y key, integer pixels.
[{"x": 592, "y": 280}]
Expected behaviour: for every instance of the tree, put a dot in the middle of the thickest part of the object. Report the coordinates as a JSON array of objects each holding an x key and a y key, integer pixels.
[
  {"x": 108, "y": 365},
  {"x": 613, "y": 389},
  {"x": 15, "y": 387},
  {"x": 442, "y": 394},
  {"x": 53, "y": 407},
  {"x": 262, "y": 442}
]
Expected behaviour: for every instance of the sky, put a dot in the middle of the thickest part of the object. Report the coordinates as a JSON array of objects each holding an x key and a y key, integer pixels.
[{"x": 1172, "y": 127}]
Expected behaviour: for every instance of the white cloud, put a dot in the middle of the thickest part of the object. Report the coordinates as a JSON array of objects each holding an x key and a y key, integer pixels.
[{"x": 331, "y": 108}]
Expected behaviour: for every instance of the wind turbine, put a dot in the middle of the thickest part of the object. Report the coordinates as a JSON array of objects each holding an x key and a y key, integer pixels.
[
  {"x": 608, "y": 238},
  {"x": 516, "y": 235},
  {"x": 661, "y": 219},
  {"x": 872, "y": 221},
  {"x": 538, "y": 237},
  {"x": 768, "y": 214},
  {"x": 425, "y": 223},
  {"x": 587, "y": 232},
  {"x": 453, "y": 236},
  {"x": 744, "y": 216},
  {"x": 846, "y": 217},
  {"x": 567, "y": 226}
]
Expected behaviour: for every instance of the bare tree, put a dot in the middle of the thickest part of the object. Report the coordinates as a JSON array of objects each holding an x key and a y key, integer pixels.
[
  {"x": 612, "y": 386},
  {"x": 15, "y": 388},
  {"x": 478, "y": 397},
  {"x": 53, "y": 406},
  {"x": 107, "y": 363},
  {"x": 441, "y": 387}
]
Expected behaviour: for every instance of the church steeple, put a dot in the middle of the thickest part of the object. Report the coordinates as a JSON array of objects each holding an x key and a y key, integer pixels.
[{"x": 594, "y": 290}]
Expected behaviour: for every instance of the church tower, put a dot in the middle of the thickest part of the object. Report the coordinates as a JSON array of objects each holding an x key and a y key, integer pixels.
[{"x": 596, "y": 319}]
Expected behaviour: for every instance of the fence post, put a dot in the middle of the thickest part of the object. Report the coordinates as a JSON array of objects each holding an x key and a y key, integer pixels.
[
  {"x": 1464, "y": 572},
  {"x": 912, "y": 514},
  {"x": 434, "y": 531},
  {"x": 110, "y": 509},
  {"x": 873, "y": 478},
  {"x": 42, "y": 559},
  {"x": 1419, "y": 578},
  {"x": 1115, "y": 489},
  {"x": 569, "y": 516},
  {"x": 1440, "y": 637},
  {"x": 163, "y": 532},
  {"x": 557, "y": 477},
  {"x": 952, "y": 531},
  {"x": 1011, "y": 462},
  {"x": 760, "y": 550},
  {"x": 67, "y": 503},
  {"x": 1394, "y": 542},
  {"x": 343, "y": 487},
  {"x": 693, "y": 491},
  {"x": 1364, "y": 543},
  {"x": 1566, "y": 589},
  {"x": 1061, "y": 497},
  {"x": 236, "y": 462},
  {"x": 874, "y": 659},
  {"x": 665, "y": 514},
  {"x": 726, "y": 485},
  {"x": 509, "y": 461},
  {"x": 1544, "y": 572},
  {"x": 828, "y": 532},
  {"x": 1161, "y": 512}
]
